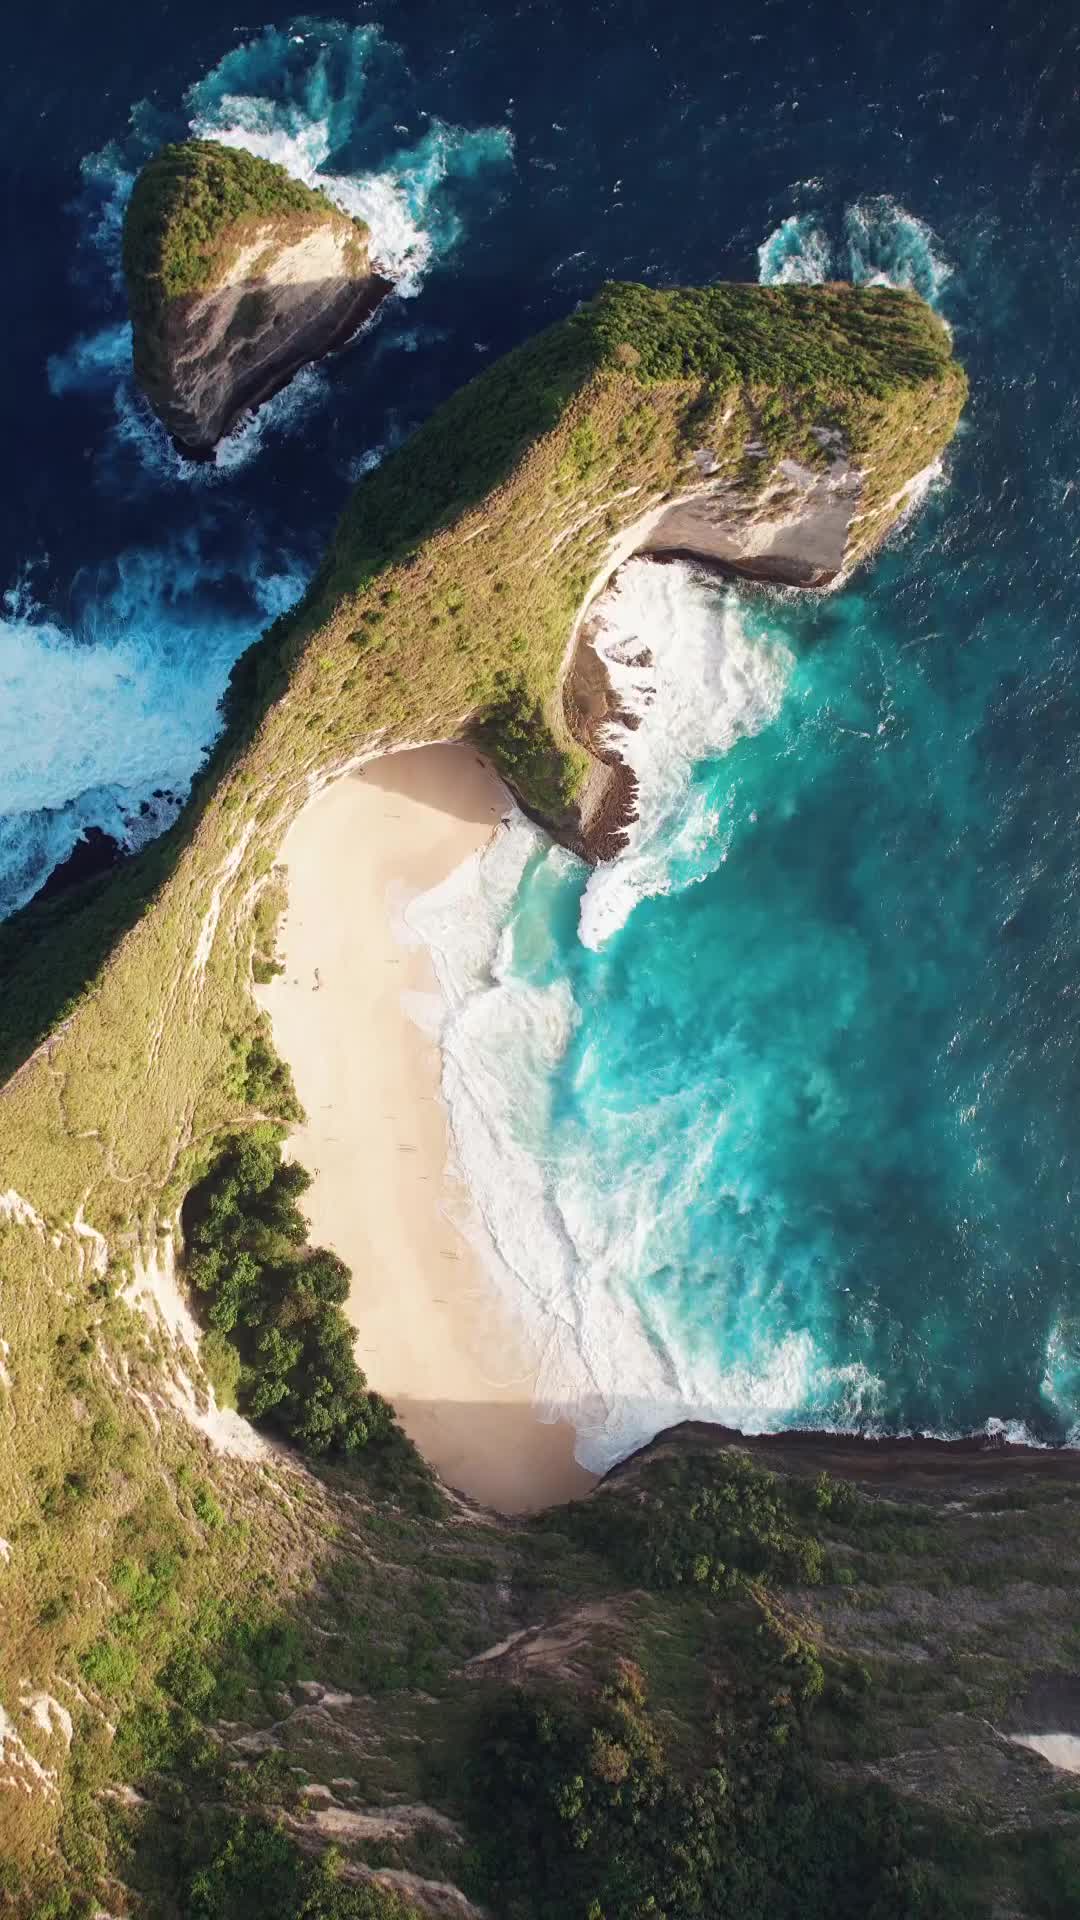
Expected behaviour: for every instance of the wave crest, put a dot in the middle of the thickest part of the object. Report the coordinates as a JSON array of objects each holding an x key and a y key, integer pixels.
[
  {"x": 693, "y": 679},
  {"x": 320, "y": 100},
  {"x": 100, "y": 714},
  {"x": 879, "y": 243}
]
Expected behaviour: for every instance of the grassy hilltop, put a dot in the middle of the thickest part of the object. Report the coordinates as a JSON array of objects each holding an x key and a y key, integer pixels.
[
  {"x": 447, "y": 596},
  {"x": 711, "y": 1713}
]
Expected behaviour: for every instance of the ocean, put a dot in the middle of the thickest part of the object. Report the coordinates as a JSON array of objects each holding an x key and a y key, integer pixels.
[{"x": 772, "y": 1121}]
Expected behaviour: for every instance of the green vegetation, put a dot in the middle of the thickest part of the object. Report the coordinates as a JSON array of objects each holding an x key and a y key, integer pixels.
[
  {"x": 269, "y": 907},
  {"x": 194, "y": 209},
  {"x": 277, "y": 1302},
  {"x": 258, "y": 1078},
  {"x": 255, "y": 1868},
  {"x": 696, "y": 1519},
  {"x": 608, "y": 407},
  {"x": 816, "y": 342},
  {"x": 418, "y": 627},
  {"x": 185, "y": 209}
]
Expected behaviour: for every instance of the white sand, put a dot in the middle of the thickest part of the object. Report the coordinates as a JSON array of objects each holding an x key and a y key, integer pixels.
[{"x": 434, "y": 1336}]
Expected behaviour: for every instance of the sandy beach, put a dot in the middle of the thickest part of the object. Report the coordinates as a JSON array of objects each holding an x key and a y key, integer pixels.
[{"x": 434, "y": 1335}]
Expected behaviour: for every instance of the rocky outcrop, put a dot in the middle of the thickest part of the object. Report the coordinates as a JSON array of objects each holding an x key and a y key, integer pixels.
[
  {"x": 773, "y": 522},
  {"x": 797, "y": 531},
  {"x": 237, "y": 277}
]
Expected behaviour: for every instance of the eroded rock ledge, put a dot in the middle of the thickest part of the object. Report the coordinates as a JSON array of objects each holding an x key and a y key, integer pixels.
[
  {"x": 911, "y": 1460},
  {"x": 237, "y": 277},
  {"x": 787, "y": 525}
]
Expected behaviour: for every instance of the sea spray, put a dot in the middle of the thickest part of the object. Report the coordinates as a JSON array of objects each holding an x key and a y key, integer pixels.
[
  {"x": 797, "y": 253},
  {"x": 315, "y": 96},
  {"x": 92, "y": 361},
  {"x": 879, "y": 243},
  {"x": 100, "y": 713},
  {"x": 102, "y": 708},
  {"x": 888, "y": 246},
  {"x": 499, "y": 1050},
  {"x": 693, "y": 679}
]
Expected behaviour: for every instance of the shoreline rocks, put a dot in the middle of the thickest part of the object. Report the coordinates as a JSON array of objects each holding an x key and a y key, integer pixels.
[{"x": 797, "y": 527}]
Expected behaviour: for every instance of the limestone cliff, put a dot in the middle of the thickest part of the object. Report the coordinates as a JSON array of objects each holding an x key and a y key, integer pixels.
[{"x": 237, "y": 276}]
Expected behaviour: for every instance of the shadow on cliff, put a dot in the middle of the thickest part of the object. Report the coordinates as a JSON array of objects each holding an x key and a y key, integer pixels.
[
  {"x": 508, "y": 1459},
  {"x": 53, "y": 949},
  {"x": 445, "y": 786}
]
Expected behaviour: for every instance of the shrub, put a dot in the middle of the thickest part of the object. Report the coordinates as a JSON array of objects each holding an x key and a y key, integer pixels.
[
  {"x": 221, "y": 1365},
  {"x": 255, "y": 1868},
  {"x": 181, "y": 204},
  {"x": 289, "y": 1351}
]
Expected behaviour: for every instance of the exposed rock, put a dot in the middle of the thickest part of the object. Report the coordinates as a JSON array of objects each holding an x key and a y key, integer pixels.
[
  {"x": 238, "y": 275},
  {"x": 913, "y": 1461},
  {"x": 94, "y": 852},
  {"x": 802, "y": 527}
]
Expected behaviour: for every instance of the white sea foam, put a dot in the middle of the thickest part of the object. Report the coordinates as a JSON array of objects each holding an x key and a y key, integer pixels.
[
  {"x": 96, "y": 716},
  {"x": 797, "y": 253},
  {"x": 137, "y": 429},
  {"x": 92, "y": 361},
  {"x": 569, "y": 1227},
  {"x": 99, "y": 712},
  {"x": 1060, "y": 1384},
  {"x": 680, "y": 658},
  {"x": 500, "y": 1045},
  {"x": 313, "y": 116},
  {"x": 879, "y": 244},
  {"x": 888, "y": 246}
]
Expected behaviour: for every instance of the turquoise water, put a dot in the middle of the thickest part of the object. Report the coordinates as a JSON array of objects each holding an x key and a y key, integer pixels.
[
  {"x": 789, "y": 1090},
  {"x": 807, "y": 1116}
]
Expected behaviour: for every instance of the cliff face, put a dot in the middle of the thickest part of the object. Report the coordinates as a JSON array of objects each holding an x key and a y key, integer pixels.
[{"x": 237, "y": 276}]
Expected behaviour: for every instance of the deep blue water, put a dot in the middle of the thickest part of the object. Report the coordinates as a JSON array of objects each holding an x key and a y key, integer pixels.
[{"x": 802, "y": 1129}]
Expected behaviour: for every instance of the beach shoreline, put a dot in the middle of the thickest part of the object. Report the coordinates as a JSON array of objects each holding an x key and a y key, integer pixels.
[{"x": 434, "y": 1335}]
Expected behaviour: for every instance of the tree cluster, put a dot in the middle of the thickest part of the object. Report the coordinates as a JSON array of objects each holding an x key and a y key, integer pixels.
[
  {"x": 278, "y": 1301},
  {"x": 581, "y": 1816},
  {"x": 707, "y": 1519}
]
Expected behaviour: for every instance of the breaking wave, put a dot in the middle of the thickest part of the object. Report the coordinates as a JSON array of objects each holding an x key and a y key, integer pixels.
[
  {"x": 879, "y": 243},
  {"x": 797, "y": 254},
  {"x": 106, "y": 711},
  {"x": 585, "y": 1209},
  {"x": 320, "y": 99},
  {"x": 692, "y": 677}
]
